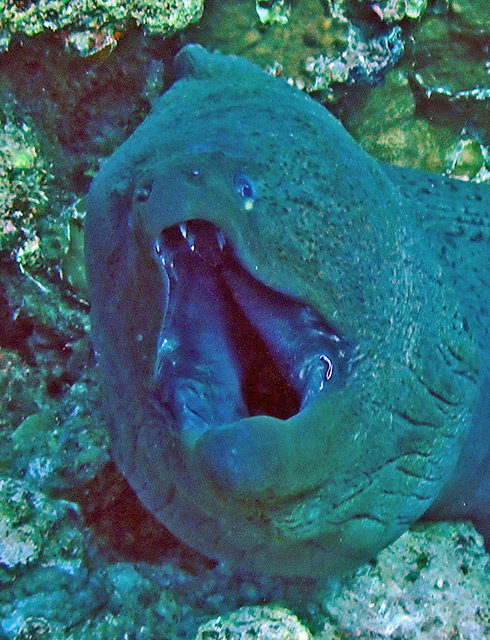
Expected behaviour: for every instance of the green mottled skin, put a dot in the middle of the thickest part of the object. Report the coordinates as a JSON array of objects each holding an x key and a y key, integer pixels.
[{"x": 396, "y": 260}]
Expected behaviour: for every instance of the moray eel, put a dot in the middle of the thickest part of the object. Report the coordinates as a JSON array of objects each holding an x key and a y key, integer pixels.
[{"x": 293, "y": 337}]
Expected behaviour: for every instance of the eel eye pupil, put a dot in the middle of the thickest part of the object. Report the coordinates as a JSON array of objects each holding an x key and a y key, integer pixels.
[
  {"x": 244, "y": 186},
  {"x": 246, "y": 191}
]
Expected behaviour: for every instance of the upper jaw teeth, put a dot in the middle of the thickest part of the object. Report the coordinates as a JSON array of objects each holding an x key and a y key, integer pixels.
[
  {"x": 220, "y": 237},
  {"x": 188, "y": 236},
  {"x": 204, "y": 240}
]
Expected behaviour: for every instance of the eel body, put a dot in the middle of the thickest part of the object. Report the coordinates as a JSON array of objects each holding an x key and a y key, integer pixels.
[{"x": 293, "y": 338}]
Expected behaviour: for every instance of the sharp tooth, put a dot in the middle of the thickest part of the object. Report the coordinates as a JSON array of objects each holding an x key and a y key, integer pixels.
[
  {"x": 172, "y": 272},
  {"x": 167, "y": 259},
  {"x": 221, "y": 239},
  {"x": 160, "y": 253},
  {"x": 191, "y": 241},
  {"x": 183, "y": 229}
]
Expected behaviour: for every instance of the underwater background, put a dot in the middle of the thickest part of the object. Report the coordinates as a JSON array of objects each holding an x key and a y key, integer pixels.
[{"x": 79, "y": 556}]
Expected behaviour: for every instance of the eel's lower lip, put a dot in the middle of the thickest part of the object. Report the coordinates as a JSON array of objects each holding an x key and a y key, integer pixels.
[{"x": 232, "y": 348}]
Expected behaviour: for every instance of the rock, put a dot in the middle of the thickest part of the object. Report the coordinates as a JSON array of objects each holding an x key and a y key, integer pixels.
[
  {"x": 88, "y": 27},
  {"x": 431, "y": 584},
  {"x": 260, "y": 623},
  {"x": 34, "y": 527},
  {"x": 24, "y": 183},
  {"x": 395, "y": 10}
]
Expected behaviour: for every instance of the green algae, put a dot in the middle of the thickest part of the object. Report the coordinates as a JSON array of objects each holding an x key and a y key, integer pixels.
[
  {"x": 473, "y": 15},
  {"x": 400, "y": 137},
  {"x": 312, "y": 45},
  {"x": 433, "y": 110},
  {"x": 72, "y": 265},
  {"x": 470, "y": 160},
  {"x": 445, "y": 59}
]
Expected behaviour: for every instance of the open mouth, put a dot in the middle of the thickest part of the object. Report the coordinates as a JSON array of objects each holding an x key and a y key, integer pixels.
[{"x": 232, "y": 347}]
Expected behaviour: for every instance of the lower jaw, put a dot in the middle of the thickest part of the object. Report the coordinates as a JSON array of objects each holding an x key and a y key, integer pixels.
[{"x": 266, "y": 460}]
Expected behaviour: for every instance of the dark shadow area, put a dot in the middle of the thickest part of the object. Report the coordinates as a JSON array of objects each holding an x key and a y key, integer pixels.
[
  {"x": 84, "y": 107},
  {"x": 125, "y": 529}
]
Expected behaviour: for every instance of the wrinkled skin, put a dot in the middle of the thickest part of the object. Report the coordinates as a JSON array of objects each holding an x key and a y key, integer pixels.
[{"x": 295, "y": 378}]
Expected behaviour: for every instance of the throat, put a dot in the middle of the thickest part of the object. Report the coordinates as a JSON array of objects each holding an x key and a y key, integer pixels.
[{"x": 266, "y": 388}]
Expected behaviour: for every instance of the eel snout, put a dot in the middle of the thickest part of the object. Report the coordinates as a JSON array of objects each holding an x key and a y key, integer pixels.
[{"x": 236, "y": 359}]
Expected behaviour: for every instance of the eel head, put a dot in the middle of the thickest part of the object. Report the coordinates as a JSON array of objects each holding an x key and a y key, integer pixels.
[{"x": 288, "y": 377}]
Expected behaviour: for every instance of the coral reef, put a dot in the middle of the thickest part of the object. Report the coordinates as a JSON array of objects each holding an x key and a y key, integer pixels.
[
  {"x": 24, "y": 180},
  {"x": 450, "y": 68},
  {"x": 272, "y": 12},
  {"x": 89, "y": 27},
  {"x": 262, "y": 623},
  {"x": 470, "y": 160},
  {"x": 431, "y": 584},
  {"x": 435, "y": 104},
  {"x": 283, "y": 46},
  {"x": 405, "y": 138},
  {"x": 361, "y": 60},
  {"x": 32, "y": 527},
  {"x": 312, "y": 46},
  {"x": 395, "y": 10}
]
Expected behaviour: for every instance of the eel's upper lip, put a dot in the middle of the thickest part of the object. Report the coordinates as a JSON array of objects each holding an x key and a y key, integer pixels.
[{"x": 230, "y": 346}]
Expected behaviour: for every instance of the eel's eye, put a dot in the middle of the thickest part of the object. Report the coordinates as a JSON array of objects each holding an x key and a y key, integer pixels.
[{"x": 244, "y": 186}]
